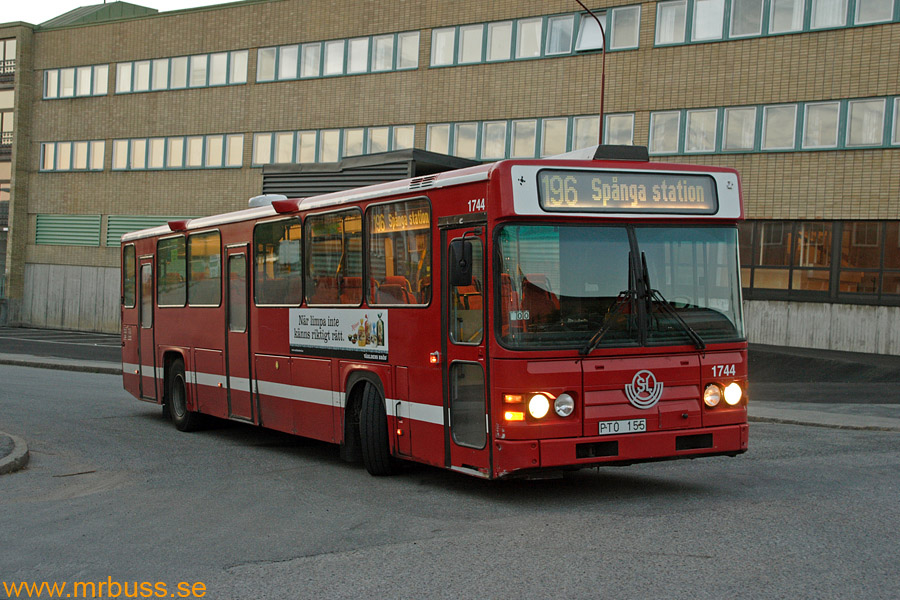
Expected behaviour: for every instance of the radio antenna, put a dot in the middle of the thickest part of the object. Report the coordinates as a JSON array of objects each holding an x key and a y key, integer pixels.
[{"x": 602, "y": 65}]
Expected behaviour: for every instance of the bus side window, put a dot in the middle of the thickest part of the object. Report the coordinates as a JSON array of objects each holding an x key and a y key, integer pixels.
[
  {"x": 399, "y": 259},
  {"x": 277, "y": 263},
  {"x": 334, "y": 258}
]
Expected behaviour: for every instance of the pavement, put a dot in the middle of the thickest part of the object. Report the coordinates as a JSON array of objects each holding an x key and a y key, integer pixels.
[{"x": 801, "y": 386}]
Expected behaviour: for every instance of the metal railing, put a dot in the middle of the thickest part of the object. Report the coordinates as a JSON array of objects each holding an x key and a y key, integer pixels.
[
  {"x": 7, "y": 66},
  {"x": 6, "y": 138}
]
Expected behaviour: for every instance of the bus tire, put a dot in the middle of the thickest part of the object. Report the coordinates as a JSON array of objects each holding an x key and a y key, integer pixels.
[
  {"x": 373, "y": 433},
  {"x": 176, "y": 393}
]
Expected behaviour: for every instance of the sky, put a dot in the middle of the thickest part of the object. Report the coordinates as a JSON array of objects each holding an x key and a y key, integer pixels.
[{"x": 38, "y": 11}]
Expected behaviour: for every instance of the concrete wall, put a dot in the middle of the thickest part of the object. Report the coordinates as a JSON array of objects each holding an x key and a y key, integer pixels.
[
  {"x": 71, "y": 297},
  {"x": 847, "y": 327}
]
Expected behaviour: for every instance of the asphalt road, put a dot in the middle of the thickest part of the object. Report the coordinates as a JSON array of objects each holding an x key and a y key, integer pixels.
[{"x": 113, "y": 491}]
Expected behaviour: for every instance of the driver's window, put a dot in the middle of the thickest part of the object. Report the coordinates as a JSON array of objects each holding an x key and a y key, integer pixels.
[{"x": 467, "y": 302}]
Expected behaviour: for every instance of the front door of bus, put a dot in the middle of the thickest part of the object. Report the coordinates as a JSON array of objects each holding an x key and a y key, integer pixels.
[
  {"x": 237, "y": 326},
  {"x": 467, "y": 427}
]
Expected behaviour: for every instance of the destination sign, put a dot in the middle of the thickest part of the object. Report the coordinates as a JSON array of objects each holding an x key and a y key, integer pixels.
[{"x": 625, "y": 192}]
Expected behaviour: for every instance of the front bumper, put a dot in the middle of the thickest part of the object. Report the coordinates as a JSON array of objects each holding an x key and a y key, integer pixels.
[{"x": 513, "y": 456}]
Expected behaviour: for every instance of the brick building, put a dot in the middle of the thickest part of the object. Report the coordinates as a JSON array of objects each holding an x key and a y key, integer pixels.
[{"x": 116, "y": 117}]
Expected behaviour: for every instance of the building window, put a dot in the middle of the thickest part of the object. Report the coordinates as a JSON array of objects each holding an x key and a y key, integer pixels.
[
  {"x": 287, "y": 62},
  {"x": 554, "y": 136},
  {"x": 209, "y": 152},
  {"x": 465, "y": 140},
  {"x": 358, "y": 55},
  {"x": 709, "y": 18},
  {"x": 746, "y": 17},
  {"x": 779, "y": 126},
  {"x": 586, "y": 132},
  {"x": 76, "y": 82},
  {"x": 265, "y": 64},
  {"x": 589, "y": 34},
  {"x": 664, "y": 132},
  {"x": 7, "y": 56},
  {"x": 72, "y": 156},
  {"x": 493, "y": 136},
  {"x": 334, "y": 58},
  {"x": 865, "y": 122},
  {"x": 625, "y": 28},
  {"x": 408, "y": 54},
  {"x": 820, "y": 127},
  {"x": 470, "y": 44},
  {"x": 528, "y": 38},
  {"x": 786, "y": 15},
  {"x": 200, "y": 70},
  {"x": 442, "y": 45},
  {"x": 670, "y": 22},
  {"x": 796, "y": 260},
  {"x": 740, "y": 129},
  {"x": 559, "y": 35},
  {"x": 524, "y": 136},
  {"x": 330, "y": 145},
  {"x": 873, "y": 11},
  {"x": 382, "y": 53},
  {"x": 7, "y": 120},
  {"x": 354, "y": 141},
  {"x": 828, "y": 13},
  {"x": 619, "y": 129},
  {"x": 895, "y": 136},
  {"x": 499, "y": 41},
  {"x": 700, "y": 135},
  {"x": 438, "y": 138},
  {"x": 310, "y": 60}
]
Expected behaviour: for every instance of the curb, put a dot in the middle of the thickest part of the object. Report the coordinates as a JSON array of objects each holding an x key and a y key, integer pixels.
[
  {"x": 17, "y": 459},
  {"x": 811, "y": 423},
  {"x": 84, "y": 366}
]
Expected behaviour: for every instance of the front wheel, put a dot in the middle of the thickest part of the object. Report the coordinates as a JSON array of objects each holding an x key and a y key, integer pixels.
[
  {"x": 373, "y": 434},
  {"x": 184, "y": 419}
]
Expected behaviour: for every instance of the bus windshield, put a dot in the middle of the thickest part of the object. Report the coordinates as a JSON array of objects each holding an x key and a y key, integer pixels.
[{"x": 565, "y": 286}]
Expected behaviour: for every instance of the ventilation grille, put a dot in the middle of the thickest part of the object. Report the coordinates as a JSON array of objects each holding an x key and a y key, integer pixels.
[{"x": 420, "y": 183}]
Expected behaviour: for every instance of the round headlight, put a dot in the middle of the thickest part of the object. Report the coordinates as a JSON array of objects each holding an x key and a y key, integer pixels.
[
  {"x": 538, "y": 406},
  {"x": 712, "y": 395},
  {"x": 564, "y": 405},
  {"x": 733, "y": 393}
]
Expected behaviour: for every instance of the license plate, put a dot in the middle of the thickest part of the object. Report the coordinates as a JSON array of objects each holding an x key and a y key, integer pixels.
[{"x": 618, "y": 427}]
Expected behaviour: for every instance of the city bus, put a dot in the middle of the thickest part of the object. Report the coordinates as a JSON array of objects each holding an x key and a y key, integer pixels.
[{"x": 519, "y": 318}]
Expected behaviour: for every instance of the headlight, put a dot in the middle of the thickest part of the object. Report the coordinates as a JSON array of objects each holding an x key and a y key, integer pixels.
[
  {"x": 712, "y": 395},
  {"x": 564, "y": 405},
  {"x": 538, "y": 406},
  {"x": 733, "y": 393}
]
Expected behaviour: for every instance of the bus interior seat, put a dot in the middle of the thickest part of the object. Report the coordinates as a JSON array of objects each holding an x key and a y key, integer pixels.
[
  {"x": 541, "y": 303},
  {"x": 326, "y": 291},
  {"x": 395, "y": 290},
  {"x": 351, "y": 290}
]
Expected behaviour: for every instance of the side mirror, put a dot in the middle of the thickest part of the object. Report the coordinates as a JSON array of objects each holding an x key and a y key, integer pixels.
[{"x": 460, "y": 263}]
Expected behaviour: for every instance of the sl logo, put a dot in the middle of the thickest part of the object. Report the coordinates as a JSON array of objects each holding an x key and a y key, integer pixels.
[{"x": 644, "y": 391}]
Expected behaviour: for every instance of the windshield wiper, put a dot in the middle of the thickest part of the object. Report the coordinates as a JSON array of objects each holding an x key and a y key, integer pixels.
[
  {"x": 655, "y": 295},
  {"x": 625, "y": 298}
]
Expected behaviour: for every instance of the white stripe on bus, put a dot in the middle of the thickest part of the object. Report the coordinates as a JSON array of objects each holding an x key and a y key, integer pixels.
[{"x": 426, "y": 413}]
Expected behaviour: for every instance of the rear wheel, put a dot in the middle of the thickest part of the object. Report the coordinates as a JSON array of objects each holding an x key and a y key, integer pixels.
[
  {"x": 373, "y": 433},
  {"x": 184, "y": 419}
]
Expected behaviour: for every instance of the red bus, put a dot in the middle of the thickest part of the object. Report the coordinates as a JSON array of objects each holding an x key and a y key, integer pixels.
[{"x": 514, "y": 318}]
